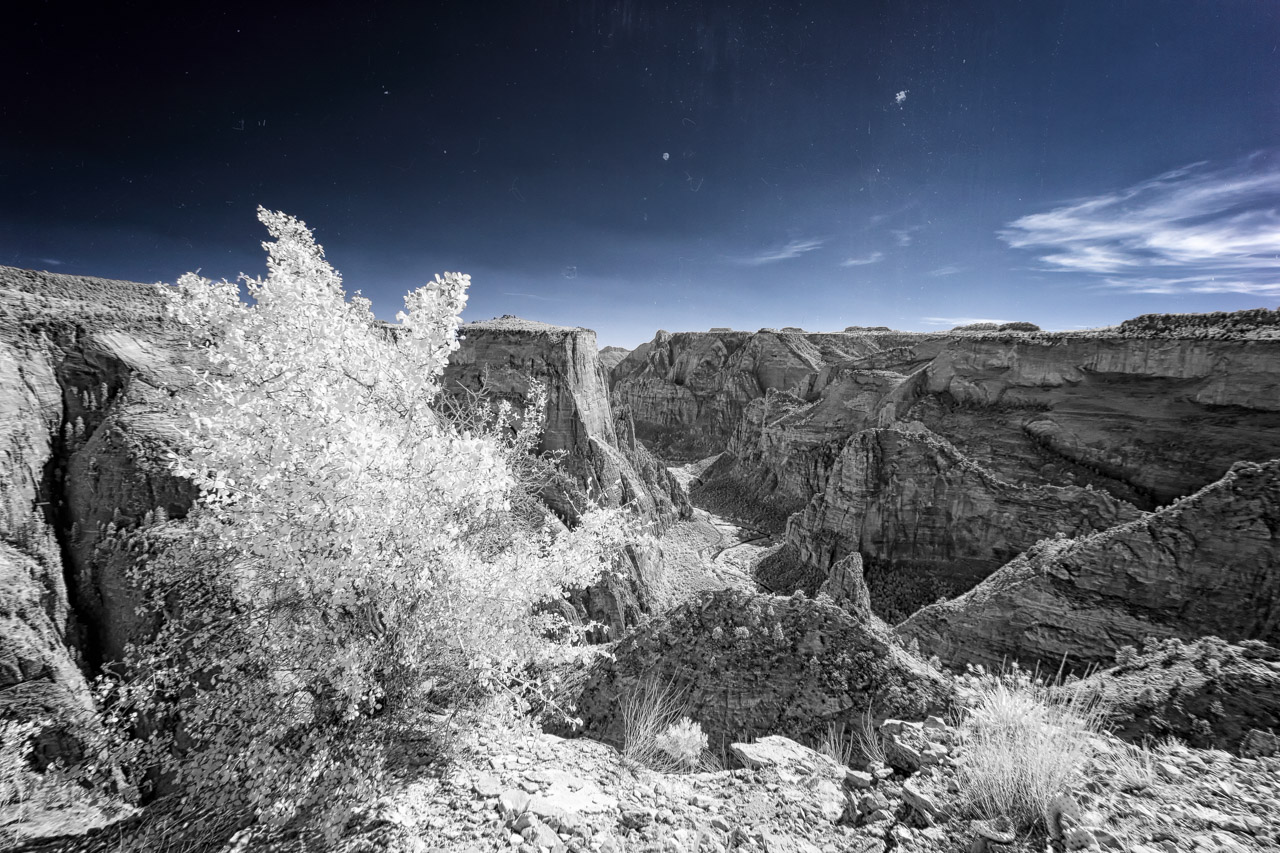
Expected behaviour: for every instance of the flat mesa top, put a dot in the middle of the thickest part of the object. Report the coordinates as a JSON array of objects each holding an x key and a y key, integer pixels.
[{"x": 512, "y": 323}]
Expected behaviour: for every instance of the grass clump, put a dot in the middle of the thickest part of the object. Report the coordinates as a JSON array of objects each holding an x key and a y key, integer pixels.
[
  {"x": 838, "y": 744},
  {"x": 1023, "y": 744},
  {"x": 658, "y": 733}
]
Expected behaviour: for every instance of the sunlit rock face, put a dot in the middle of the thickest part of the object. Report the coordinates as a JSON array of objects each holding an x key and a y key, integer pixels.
[
  {"x": 944, "y": 455},
  {"x": 907, "y": 497},
  {"x": 83, "y": 365},
  {"x": 1207, "y": 565},
  {"x": 499, "y": 358},
  {"x": 744, "y": 665}
]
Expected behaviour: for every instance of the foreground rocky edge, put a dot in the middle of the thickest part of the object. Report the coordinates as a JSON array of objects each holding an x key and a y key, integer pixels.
[{"x": 514, "y": 787}]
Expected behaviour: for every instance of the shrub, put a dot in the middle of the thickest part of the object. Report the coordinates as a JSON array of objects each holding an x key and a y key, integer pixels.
[
  {"x": 16, "y": 778},
  {"x": 353, "y": 563},
  {"x": 870, "y": 741},
  {"x": 657, "y": 732},
  {"x": 683, "y": 742},
  {"x": 1023, "y": 743}
]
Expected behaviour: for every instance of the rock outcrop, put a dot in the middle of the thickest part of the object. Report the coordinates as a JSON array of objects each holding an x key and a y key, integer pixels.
[
  {"x": 82, "y": 361},
  {"x": 909, "y": 502},
  {"x": 1209, "y": 694},
  {"x": 610, "y": 357},
  {"x": 746, "y": 664},
  {"x": 499, "y": 358},
  {"x": 1207, "y": 565}
]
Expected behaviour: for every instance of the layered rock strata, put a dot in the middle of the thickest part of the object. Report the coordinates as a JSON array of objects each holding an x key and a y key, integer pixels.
[
  {"x": 1207, "y": 565},
  {"x": 946, "y": 454},
  {"x": 498, "y": 359},
  {"x": 83, "y": 365}
]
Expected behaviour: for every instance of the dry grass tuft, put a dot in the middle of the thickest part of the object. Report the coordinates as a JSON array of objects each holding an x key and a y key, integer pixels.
[
  {"x": 1023, "y": 744},
  {"x": 870, "y": 741},
  {"x": 838, "y": 744},
  {"x": 649, "y": 713}
]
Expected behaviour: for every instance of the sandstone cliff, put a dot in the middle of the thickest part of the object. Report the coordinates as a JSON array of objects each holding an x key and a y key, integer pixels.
[
  {"x": 499, "y": 358},
  {"x": 81, "y": 361},
  {"x": 1207, "y": 565},
  {"x": 909, "y": 502}
]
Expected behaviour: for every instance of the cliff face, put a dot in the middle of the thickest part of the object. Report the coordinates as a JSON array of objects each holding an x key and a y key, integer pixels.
[
  {"x": 907, "y": 498},
  {"x": 80, "y": 359},
  {"x": 950, "y": 453},
  {"x": 1207, "y": 565},
  {"x": 499, "y": 358}
]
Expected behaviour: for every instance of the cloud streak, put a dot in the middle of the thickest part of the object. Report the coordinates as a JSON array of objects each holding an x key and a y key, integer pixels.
[
  {"x": 959, "y": 321},
  {"x": 793, "y": 249},
  {"x": 873, "y": 258},
  {"x": 1198, "y": 229}
]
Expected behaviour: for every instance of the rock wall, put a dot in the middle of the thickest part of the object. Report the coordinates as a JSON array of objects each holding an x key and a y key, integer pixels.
[
  {"x": 908, "y": 498},
  {"x": 81, "y": 363},
  {"x": 1207, "y": 565},
  {"x": 601, "y": 458}
]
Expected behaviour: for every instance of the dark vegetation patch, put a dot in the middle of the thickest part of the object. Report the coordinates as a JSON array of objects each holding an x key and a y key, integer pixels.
[
  {"x": 721, "y": 489},
  {"x": 900, "y": 589},
  {"x": 1209, "y": 693},
  {"x": 676, "y": 444},
  {"x": 783, "y": 572}
]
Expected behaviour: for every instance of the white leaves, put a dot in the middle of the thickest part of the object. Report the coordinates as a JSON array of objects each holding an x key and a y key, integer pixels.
[{"x": 350, "y": 543}]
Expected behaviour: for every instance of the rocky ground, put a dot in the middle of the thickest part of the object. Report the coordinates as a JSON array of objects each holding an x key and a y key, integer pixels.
[{"x": 522, "y": 790}]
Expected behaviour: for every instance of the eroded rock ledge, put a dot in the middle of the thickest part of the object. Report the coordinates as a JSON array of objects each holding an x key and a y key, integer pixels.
[{"x": 1207, "y": 565}]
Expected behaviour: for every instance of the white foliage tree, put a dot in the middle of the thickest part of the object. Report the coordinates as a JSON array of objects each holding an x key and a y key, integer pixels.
[{"x": 338, "y": 573}]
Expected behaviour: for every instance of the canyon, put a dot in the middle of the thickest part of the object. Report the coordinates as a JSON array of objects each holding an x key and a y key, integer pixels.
[
  {"x": 940, "y": 457},
  {"x": 898, "y": 506}
]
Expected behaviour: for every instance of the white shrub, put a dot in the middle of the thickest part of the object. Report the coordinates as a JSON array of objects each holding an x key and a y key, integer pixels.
[{"x": 339, "y": 573}]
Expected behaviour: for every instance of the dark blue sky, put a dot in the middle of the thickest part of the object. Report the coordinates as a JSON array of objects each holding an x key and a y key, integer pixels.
[{"x": 630, "y": 166}]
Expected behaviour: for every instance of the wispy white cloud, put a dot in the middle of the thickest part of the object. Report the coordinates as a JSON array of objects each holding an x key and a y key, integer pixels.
[
  {"x": 904, "y": 236},
  {"x": 531, "y": 296},
  {"x": 53, "y": 262},
  {"x": 949, "y": 269},
  {"x": 1193, "y": 284},
  {"x": 873, "y": 258},
  {"x": 1198, "y": 229},
  {"x": 958, "y": 321},
  {"x": 793, "y": 249}
]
